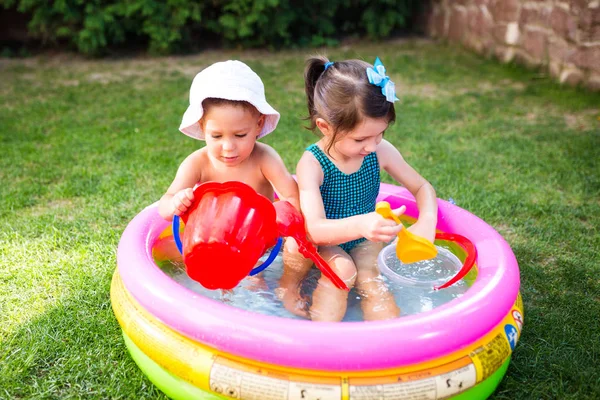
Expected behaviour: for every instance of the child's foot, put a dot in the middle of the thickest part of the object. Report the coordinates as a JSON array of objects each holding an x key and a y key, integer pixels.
[{"x": 293, "y": 301}]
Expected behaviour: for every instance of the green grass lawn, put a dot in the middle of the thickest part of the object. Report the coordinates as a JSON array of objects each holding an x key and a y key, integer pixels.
[{"x": 87, "y": 144}]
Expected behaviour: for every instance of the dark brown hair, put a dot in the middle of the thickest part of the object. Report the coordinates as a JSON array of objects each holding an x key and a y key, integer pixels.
[{"x": 342, "y": 95}]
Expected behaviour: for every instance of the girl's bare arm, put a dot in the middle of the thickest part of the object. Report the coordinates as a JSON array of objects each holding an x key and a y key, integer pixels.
[{"x": 393, "y": 163}]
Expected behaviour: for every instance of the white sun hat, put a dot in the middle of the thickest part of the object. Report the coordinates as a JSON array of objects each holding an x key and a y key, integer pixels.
[{"x": 231, "y": 80}]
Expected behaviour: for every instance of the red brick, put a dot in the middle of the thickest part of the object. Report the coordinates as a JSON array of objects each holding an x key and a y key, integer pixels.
[
  {"x": 435, "y": 23},
  {"x": 499, "y": 32},
  {"x": 479, "y": 22},
  {"x": 591, "y": 35},
  {"x": 588, "y": 17},
  {"x": 578, "y": 5},
  {"x": 458, "y": 24},
  {"x": 472, "y": 17},
  {"x": 534, "y": 43},
  {"x": 535, "y": 16},
  {"x": 587, "y": 57},
  {"x": 582, "y": 7},
  {"x": 563, "y": 23},
  {"x": 559, "y": 51},
  {"x": 505, "y": 10}
]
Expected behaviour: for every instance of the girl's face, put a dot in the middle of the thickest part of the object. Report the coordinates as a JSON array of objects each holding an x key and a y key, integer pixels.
[
  {"x": 362, "y": 140},
  {"x": 230, "y": 133}
]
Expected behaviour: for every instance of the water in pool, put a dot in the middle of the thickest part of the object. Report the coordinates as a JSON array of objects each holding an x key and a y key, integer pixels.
[{"x": 258, "y": 294}]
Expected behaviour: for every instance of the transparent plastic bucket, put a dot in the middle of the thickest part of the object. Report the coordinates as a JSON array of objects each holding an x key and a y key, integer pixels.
[{"x": 426, "y": 273}]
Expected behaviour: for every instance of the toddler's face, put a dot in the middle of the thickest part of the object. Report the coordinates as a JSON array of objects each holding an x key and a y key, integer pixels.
[
  {"x": 230, "y": 133},
  {"x": 363, "y": 139}
]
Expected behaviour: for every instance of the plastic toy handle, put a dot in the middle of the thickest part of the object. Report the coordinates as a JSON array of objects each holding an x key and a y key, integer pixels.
[
  {"x": 384, "y": 209},
  {"x": 260, "y": 268},
  {"x": 469, "y": 248},
  {"x": 175, "y": 227},
  {"x": 290, "y": 223},
  {"x": 270, "y": 259}
]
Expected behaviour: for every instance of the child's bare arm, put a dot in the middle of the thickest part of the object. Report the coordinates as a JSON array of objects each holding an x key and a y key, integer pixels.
[
  {"x": 323, "y": 231},
  {"x": 179, "y": 195},
  {"x": 276, "y": 173},
  {"x": 392, "y": 161}
]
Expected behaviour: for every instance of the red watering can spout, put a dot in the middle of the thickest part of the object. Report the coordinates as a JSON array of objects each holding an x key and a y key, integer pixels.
[{"x": 291, "y": 223}]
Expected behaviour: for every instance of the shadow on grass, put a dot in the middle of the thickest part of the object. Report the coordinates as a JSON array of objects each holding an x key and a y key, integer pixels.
[{"x": 73, "y": 350}]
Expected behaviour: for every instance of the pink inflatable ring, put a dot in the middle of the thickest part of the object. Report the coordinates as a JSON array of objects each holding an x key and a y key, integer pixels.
[{"x": 491, "y": 308}]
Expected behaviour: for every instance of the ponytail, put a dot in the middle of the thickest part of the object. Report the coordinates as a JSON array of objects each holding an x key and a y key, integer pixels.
[{"x": 315, "y": 66}]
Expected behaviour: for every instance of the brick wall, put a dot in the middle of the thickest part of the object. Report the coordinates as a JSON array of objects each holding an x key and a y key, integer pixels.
[{"x": 561, "y": 36}]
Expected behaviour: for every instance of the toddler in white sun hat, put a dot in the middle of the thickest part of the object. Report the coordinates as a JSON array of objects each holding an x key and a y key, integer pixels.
[
  {"x": 229, "y": 111},
  {"x": 228, "y": 80}
]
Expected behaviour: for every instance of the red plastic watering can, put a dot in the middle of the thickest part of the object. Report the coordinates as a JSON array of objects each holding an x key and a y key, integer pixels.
[{"x": 229, "y": 226}]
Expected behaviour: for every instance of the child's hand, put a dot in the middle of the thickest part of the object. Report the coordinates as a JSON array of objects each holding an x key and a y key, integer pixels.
[
  {"x": 182, "y": 200},
  {"x": 379, "y": 229}
]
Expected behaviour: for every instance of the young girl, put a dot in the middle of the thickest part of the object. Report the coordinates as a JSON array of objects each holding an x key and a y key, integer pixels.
[
  {"x": 228, "y": 110},
  {"x": 351, "y": 103}
]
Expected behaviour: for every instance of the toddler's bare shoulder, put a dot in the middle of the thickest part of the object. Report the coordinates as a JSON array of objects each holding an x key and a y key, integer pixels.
[
  {"x": 265, "y": 152},
  {"x": 200, "y": 154}
]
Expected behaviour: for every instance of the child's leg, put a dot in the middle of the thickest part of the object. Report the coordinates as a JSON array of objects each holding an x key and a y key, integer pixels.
[
  {"x": 329, "y": 303},
  {"x": 377, "y": 302},
  {"x": 295, "y": 268},
  {"x": 255, "y": 283}
]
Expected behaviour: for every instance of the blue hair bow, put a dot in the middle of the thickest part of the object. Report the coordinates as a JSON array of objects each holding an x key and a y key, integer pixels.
[{"x": 378, "y": 77}]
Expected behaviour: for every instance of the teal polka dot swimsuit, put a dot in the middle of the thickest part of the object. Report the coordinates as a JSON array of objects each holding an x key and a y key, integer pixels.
[{"x": 346, "y": 195}]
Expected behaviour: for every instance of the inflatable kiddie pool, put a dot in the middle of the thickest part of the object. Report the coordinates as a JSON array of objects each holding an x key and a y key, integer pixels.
[{"x": 193, "y": 347}]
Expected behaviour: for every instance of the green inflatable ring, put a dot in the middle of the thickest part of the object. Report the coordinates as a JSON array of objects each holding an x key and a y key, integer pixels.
[{"x": 171, "y": 385}]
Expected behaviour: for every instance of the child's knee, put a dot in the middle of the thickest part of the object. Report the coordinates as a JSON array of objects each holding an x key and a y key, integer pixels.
[
  {"x": 344, "y": 268},
  {"x": 349, "y": 277},
  {"x": 290, "y": 245},
  {"x": 349, "y": 280}
]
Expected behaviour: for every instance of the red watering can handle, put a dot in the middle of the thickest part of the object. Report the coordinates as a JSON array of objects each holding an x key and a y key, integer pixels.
[
  {"x": 308, "y": 250},
  {"x": 290, "y": 223},
  {"x": 471, "y": 251}
]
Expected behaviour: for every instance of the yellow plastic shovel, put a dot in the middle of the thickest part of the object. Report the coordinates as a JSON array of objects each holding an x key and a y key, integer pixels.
[{"x": 410, "y": 248}]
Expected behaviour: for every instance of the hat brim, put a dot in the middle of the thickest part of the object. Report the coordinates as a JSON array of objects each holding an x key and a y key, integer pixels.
[{"x": 190, "y": 122}]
